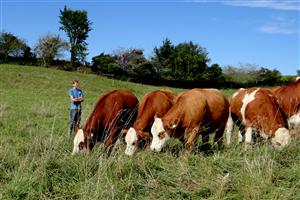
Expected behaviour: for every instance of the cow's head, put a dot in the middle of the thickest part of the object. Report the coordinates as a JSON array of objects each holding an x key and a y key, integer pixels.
[
  {"x": 134, "y": 140},
  {"x": 131, "y": 140},
  {"x": 79, "y": 142},
  {"x": 83, "y": 142},
  {"x": 159, "y": 134},
  {"x": 281, "y": 139}
]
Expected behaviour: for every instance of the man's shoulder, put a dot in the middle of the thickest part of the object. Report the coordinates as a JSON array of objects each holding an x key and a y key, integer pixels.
[
  {"x": 71, "y": 91},
  {"x": 80, "y": 91}
]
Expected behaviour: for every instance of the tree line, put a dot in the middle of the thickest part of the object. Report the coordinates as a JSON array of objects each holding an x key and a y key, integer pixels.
[{"x": 183, "y": 65}]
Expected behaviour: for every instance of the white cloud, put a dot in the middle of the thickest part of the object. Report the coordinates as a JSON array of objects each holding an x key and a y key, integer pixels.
[
  {"x": 273, "y": 29},
  {"x": 272, "y": 4},
  {"x": 280, "y": 25}
]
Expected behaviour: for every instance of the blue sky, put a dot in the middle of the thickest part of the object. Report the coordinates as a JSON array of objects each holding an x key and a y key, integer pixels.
[{"x": 265, "y": 33}]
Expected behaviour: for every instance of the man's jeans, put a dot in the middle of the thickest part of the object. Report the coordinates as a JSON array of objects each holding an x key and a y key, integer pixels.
[{"x": 75, "y": 117}]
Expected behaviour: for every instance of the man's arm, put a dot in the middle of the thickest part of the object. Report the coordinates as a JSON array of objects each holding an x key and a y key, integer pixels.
[{"x": 79, "y": 99}]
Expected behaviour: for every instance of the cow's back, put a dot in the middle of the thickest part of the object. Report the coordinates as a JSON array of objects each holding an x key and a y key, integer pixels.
[
  {"x": 199, "y": 106},
  {"x": 153, "y": 104},
  {"x": 109, "y": 109},
  {"x": 289, "y": 98}
]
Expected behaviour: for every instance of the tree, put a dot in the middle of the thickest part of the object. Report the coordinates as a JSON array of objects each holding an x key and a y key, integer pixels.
[
  {"x": 215, "y": 74},
  {"x": 269, "y": 77},
  {"x": 105, "y": 63},
  {"x": 77, "y": 26},
  {"x": 50, "y": 47},
  {"x": 162, "y": 57},
  {"x": 11, "y": 45},
  {"x": 186, "y": 61},
  {"x": 129, "y": 60},
  {"x": 190, "y": 61}
]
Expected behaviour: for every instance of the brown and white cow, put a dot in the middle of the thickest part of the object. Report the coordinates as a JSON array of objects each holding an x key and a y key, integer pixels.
[
  {"x": 256, "y": 109},
  {"x": 153, "y": 104},
  {"x": 195, "y": 112},
  {"x": 114, "y": 111},
  {"x": 289, "y": 100}
]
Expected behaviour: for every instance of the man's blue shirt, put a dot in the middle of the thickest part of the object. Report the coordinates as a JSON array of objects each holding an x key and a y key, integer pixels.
[{"x": 75, "y": 93}]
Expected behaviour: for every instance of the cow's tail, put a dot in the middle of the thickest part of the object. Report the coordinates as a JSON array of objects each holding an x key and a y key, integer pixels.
[{"x": 229, "y": 128}]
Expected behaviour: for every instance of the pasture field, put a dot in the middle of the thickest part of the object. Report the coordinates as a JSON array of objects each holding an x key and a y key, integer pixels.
[{"x": 36, "y": 161}]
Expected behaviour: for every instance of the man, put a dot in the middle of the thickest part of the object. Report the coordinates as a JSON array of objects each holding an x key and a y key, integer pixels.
[{"x": 76, "y": 97}]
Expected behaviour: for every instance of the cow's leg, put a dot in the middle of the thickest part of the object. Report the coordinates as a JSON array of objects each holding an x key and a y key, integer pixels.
[
  {"x": 229, "y": 129},
  {"x": 241, "y": 133},
  {"x": 248, "y": 137},
  {"x": 191, "y": 139},
  {"x": 219, "y": 137}
]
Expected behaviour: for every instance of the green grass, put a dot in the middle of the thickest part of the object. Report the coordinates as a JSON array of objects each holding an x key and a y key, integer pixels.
[{"x": 35, "y": 160}]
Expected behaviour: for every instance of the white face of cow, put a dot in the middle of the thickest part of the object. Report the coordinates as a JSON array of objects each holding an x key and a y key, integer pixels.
[
  {"x": 78, "y": 141},
  {"x": 160, "y": 136},
  {"x": 294, "y": 121},
  {"x": 281, "y": 139},
  {"x": 131, "y": 140}
]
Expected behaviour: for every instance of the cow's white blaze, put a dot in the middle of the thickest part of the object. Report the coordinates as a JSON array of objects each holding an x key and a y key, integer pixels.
[
  {"x": 294, "y": 121},
  {"x": 237, "y": 92},
  {"x": 131, "y": 140},
  {"x": 79, "y": 137},
  {"x": 281, "y": 139},
  {"x": 246, "y": 100},
  {"x": 159, "y": 135}
]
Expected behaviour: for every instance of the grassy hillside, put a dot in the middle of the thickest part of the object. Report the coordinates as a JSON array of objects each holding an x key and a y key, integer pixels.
[{"x": 35, "y": 160}]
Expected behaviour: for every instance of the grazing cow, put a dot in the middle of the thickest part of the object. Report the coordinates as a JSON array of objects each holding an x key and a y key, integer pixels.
[
  {"x": 153, "y": 104},
  {"x": 256, "y": 109},
  {"x": 107, "y": 120},
  {"x": 195, "y": 112},
  {"x": 289, "y": 100}
]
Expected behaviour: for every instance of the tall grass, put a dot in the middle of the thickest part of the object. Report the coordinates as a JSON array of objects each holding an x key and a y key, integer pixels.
[{"x": 36, "y": 161}]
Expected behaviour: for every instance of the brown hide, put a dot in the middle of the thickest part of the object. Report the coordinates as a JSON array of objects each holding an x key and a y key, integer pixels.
[
  {"x": 155, "y": 103},
  {"x": 263, "y": 113},
  {"x": 109, "y": 117},
  {"x": 197, "y": 111},
  {"x": 289, "y": 98}
]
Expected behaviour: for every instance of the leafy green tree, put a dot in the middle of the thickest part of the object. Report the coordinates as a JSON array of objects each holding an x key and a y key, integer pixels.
[
  {"x": 215, "y": 74},
  {"x": 11, "y": 45},
  {"x": 186, "y": 61},
  {"x": 163, "y": 57},
  {"x": 77, "y": 26},
  {"x": 189, "y": 61},
  {"x": 105, "y": 63},
  {"x": 50, "y": 47},
  {"x": 269, "y": 77}
]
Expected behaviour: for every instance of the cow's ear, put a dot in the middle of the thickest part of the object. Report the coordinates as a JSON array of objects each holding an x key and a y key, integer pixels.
[
  {"x": 124, "y": 131},
  {"x": 76, "y": 128}
]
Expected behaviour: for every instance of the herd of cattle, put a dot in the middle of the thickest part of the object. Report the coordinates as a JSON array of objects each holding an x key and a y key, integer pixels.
[{"x": 160, "y": 115}]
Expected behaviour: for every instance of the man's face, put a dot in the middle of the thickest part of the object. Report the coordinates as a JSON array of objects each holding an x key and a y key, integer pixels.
[{"x": 75, "y": 84}]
